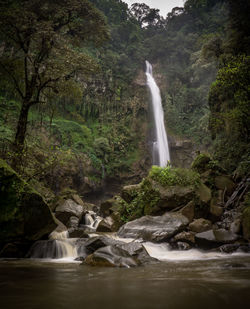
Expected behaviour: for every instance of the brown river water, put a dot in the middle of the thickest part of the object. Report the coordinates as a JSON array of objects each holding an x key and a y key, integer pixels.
[{"x": 211, "y": 283}]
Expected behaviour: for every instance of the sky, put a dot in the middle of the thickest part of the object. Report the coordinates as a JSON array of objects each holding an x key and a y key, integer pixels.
[{"x": 165, "y": 6}]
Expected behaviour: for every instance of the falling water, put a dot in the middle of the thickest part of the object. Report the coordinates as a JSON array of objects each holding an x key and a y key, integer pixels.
[
  {"x": 160, "y": 147},
  {"x": 57, "y": 247}
]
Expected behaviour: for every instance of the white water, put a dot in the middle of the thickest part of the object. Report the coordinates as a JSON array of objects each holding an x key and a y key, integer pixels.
[
  {"x": 161, "y": 155},
  {"x": 92, "y": 220},
  {"x": 59, "y": 246}
]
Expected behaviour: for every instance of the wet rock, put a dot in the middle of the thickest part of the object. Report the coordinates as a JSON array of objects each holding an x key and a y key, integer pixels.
[
  {"x": 183, "y": 245},
  {"x": 24, "y": 215},
  {"x": 130, "y": 192},
  {"x": 105, "y": 225},
  {"x": 94, "y": 243},
  {"x": 230, "y": 248},
  {"x": 68, "y": 209},
  {"x": 73, "y": 222},
  {"x": 138, "y": 251},
  {"x": 78, "y": 233},
  {"x": 214, "y": 238},
  {"x": 185, "y": 237},
  {"x": 110, "y": 224},
  {"x": 188, "y": 211},
  {"x": 224, "y": 182},
  {"x": 154, "y": 228},
  {"x": 111, "y": 256},
  {"x": 200, "y": 225}
]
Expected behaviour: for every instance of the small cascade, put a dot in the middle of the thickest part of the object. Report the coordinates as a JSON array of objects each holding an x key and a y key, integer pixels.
[
  {"x": 57, "y": 247},
  {"x": 161, "y": 154},
  {"x": 92, "y": 220}
]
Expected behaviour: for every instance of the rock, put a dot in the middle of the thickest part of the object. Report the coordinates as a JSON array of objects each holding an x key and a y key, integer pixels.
[
  {"x": 154, "y": 228},
  {"x": 111, "y": 256},
  {"x": 224, "y": 182},
  {"x": 68, "y": 209},
  {"x": 138, "y": 251},
  {"x": 73, "y": 222},
  {"x": 183, "y": 245},
  {"x": 204, "y": 193},
  {"x": 229, "y": 248},
  {"x": 200, "y": 163},
  {"x": 188, "y": 211},
  {"x": 246, "y": 223},
  {"x": 105, "y": 225},
  {"x": 215, "y": 210},
  {"x": 235, "y": 226},
  {"x": 172, "y": 197},
  {"x": 14, "y": 250},
  {"x": 200, "y": 225},
  {"x": 24, "y": 215},
  {"x": 214, "y": 238},
  {"x": 94, "y": 243},
  {"x": 185, "y": 237},
  {"x": 110, "y": 206},
  {"x": 110, "y": 224},
  {"x": 76, "y": 198},
  {"x": 130, "y": 192},
  {"x": 78, "y": 233},
  {"x": 89, "y": 207}
]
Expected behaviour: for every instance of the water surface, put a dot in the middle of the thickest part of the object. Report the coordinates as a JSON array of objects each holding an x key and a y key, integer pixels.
[{"x": 219, "y": 283}]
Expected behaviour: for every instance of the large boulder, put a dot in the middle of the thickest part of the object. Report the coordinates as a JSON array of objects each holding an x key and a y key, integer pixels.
[
  {"x": 173, "y": 196},
  {"x": 215, "y": 238},
  {"x": 111, "y": 256},
  {"x": 24, "y": 215},
  {"x": 67, "y": 209},
  {"x": 157, "y": 228}
]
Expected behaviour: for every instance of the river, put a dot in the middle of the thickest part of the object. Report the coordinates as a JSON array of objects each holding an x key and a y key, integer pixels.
[{"x": 38, "y": 284}]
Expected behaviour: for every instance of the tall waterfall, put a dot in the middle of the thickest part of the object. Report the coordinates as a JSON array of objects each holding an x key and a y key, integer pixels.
[{"x": 160, "y": 147}]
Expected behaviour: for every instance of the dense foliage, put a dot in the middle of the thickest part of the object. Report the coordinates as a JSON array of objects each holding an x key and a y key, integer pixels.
[{"x": 89, "y": 104}]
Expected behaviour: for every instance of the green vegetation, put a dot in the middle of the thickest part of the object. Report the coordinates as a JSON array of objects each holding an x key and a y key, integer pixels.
[
  {"x": 174, "y": 176},
  {"x": 92, "y": 113}
]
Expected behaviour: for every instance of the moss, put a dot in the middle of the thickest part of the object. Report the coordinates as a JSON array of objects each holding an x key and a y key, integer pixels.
[
  {"x": 200, "y": 163},
  {"x": 174, "y": 176},
  {"x": 23, "y": 212}
]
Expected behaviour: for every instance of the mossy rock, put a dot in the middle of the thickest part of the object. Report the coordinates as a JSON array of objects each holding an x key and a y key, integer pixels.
[
  {"x": 24, "y": 215},
  {"x": 200, "y": 163},
  {"x": 204, "y": 193}
]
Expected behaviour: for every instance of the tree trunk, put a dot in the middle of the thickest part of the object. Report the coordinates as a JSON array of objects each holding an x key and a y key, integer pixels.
[{"x": 20, "y": 134}]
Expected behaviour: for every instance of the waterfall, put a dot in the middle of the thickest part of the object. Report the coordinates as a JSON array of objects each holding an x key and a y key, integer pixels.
[
  {"x": 160, "y": 147},
  {"x": 58, "y": 246}
]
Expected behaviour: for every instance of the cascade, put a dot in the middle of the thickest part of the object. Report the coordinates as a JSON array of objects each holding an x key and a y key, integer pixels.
[
  {"x": 161, "y": 155},
  {"x": 58, "y": 246}
]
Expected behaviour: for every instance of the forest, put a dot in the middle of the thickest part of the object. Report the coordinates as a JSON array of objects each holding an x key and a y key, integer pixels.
[{"x": 77, "y": 134}]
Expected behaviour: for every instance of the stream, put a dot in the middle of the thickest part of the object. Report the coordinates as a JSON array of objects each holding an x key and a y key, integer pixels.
[{"x": 209, "y": 283}]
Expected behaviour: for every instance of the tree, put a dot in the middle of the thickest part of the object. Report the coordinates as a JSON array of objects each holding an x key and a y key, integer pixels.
[
  {"x": 145, "y": 16},
  {"x": 43, "y": 45}
]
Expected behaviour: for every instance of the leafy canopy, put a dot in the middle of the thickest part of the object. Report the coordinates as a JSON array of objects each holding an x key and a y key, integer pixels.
[{"x": 44, "y": 44}]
